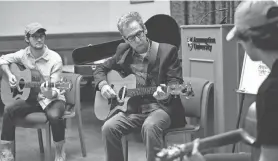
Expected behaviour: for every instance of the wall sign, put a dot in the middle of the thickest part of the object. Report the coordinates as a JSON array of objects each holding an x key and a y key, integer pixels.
[
  {"x": 200, "y": 43},
  {"x": 263, "y": 69}
]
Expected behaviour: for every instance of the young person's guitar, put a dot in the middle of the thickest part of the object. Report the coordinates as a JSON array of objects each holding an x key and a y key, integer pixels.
[
  {"x": 28, "y": 85},
  {"x": 125, "y": 88},
  {"x": 246, "y": 134}
]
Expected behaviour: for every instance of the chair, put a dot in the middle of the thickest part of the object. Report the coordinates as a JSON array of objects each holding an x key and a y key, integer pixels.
[
  {"x": 39, "y": 121},
  {"x": 196, "y": 107}
]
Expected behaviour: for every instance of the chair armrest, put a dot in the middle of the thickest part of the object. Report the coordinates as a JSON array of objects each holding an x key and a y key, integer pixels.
[{"x": 207, "y": 100}]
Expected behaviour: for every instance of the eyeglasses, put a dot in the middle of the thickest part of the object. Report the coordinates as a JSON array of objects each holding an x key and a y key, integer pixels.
[
  {"x": 37, "y": 36},
  {"x": 139, "y": 35}
]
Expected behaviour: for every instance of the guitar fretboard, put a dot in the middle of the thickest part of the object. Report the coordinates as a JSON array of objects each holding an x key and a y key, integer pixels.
[
  {"x": 140, "y": 91},
  {"x": 34, "y": 84}
]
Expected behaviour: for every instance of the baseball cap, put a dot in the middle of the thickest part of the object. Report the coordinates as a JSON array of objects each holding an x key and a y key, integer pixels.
[
  {"x": 33, "y": 27},
  {"x": 253, "y": 13}
]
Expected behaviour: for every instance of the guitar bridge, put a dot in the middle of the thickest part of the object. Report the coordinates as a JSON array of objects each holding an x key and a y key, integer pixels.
[{"x": 15, "y": 92}]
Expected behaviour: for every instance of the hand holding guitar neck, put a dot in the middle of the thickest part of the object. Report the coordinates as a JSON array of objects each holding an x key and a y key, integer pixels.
[
  {"x": 46, "y": 90},
  {"x": 184, "y": 89},
  {"x": 159, "y": 94}
]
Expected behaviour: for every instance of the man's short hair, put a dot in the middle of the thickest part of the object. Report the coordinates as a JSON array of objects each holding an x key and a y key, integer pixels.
[{"x": 128, "y": 18}]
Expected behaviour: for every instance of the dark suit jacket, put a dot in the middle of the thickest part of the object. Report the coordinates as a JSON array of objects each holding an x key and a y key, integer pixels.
[{"x": 167, "y": 65}]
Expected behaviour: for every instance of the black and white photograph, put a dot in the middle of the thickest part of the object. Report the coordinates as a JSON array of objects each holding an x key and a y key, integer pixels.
[{"x": 139, "y": 80}]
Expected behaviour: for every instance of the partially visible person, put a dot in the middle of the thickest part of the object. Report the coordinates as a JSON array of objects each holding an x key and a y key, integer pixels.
[
  {"x": 47, "y": 64},
  {"x": 256, "y": 29}
]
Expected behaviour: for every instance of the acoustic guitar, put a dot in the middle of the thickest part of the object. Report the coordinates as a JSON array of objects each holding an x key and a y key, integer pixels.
[
  {"x": 125, "y": 89},
  {"x": 247, "y": 134},
  {"x": 27, "y": 85}
]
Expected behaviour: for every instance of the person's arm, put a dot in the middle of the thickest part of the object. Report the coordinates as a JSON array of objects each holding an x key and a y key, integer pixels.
[
  {"x": 173, "y": 71},
  {"x": 100, "y": 73},
  {"x": 7, "y": 59},
  {"x": 55, "y": 76},
  {"x": 174, "y": 68}
]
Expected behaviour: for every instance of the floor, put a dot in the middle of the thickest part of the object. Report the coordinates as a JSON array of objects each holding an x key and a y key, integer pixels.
[{"x": 27, "y": 147}]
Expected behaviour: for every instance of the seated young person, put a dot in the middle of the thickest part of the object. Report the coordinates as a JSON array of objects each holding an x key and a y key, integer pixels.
[{"x": 47, "y": 65}]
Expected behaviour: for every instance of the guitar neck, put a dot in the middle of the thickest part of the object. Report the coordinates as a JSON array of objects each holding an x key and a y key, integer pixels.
[
  {"x": 140, "y": 91},
  {"x": 35, "y": 84},
  {"x": 219, "y": 140}
]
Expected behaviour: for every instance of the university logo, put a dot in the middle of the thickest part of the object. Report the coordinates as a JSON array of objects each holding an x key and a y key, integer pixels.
[{"x": 200, "y": 43}]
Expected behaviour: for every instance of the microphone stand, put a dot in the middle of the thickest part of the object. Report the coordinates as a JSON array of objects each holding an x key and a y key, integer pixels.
[{"x": 221, "y": 9}]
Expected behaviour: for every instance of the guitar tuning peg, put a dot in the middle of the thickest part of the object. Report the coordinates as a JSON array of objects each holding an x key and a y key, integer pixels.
[{"x": 64, "y": 79}]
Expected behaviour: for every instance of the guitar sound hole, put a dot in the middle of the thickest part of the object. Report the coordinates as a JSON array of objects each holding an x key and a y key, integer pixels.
[
  {"x": 121, "y": 93},
  {"x": 21, "y": 83}
]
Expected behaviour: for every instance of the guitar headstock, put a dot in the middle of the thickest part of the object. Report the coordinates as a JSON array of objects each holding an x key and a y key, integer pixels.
[
  {"x": 184, "y": 89},
  {"x": 63, "y": 84}
]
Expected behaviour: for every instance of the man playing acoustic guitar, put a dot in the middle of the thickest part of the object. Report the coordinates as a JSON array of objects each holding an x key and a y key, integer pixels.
[
  {"x": 153, "y": 64},
  {"x": 48, "y": 64}
]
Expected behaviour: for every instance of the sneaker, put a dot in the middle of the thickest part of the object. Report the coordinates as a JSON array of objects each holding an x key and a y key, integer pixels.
[
  {"x": 6, "y": 155},
  {"x": 60, "y": 154}
]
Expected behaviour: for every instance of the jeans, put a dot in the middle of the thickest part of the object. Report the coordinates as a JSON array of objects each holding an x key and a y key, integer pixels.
[
  {"x": 19, "y": 109},
  {"x": 152, "y": 124}
]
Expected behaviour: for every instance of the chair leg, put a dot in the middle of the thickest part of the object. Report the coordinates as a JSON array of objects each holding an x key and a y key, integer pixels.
[
  {"x": 40, "y": 140},
  {"x": 81, "y": 136},
  {"x": 125, "y": 149},
  {"x": 48, "y": 143},
  {"x": 14, "y": 150},
  {"x": 164, "y": 141}
]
